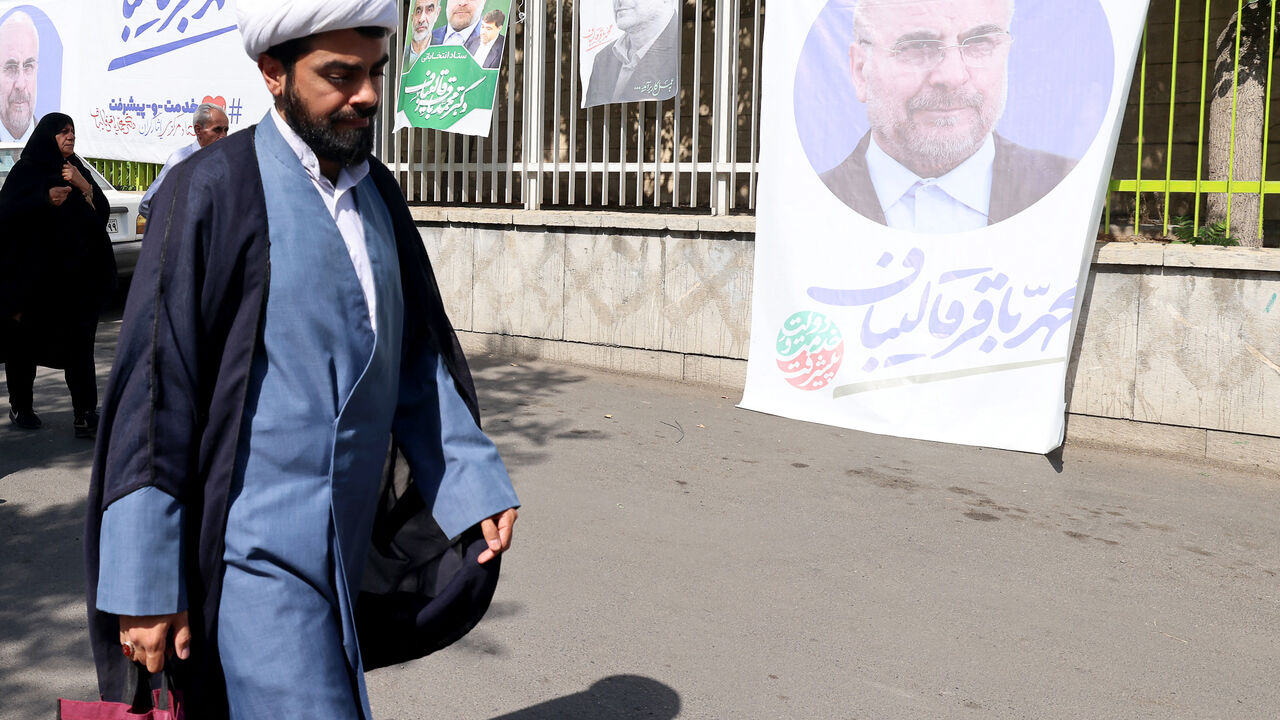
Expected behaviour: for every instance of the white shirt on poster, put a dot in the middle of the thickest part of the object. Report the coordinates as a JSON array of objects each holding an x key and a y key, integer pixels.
[
  {"x": 482, "y": 50},
  {"x": 957, "y": 201},
  {"x": 459, "y": 37},
  {"x": 6, "y": 137}
]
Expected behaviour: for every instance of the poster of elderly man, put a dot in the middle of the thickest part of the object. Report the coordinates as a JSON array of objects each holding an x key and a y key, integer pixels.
[
  {"x": 931, "y": 186},
  {"x": 932, "y": 88},
  {"x": 422, "y": 21},
  {"x": 630, "y": 50},
  {"x": 30, "y": 70}
]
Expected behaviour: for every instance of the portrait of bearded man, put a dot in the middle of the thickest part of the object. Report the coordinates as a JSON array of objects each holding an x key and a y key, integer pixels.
[
  {"x": 933, "y": 77},
  {"x": 19, "y": 65}
]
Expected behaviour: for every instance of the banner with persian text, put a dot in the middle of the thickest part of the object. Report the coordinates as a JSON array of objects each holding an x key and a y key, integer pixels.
[
  {"x": 451, "y": 59},
  {"x": 153, "y": 62},
  {"x": 129, "y": 73},
  {"x": 932, "y": 178}
]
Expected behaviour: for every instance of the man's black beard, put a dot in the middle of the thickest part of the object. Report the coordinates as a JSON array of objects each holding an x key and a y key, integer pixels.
[{"x": 326, "y": 140}]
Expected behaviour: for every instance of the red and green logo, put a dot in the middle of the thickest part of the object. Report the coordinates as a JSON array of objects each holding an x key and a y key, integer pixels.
[{"x": 810, "y": 350}]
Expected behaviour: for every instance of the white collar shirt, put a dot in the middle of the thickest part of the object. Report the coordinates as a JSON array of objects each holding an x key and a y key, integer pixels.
[
  {"x": 482, "y": 50},
  {"x": 340, "y": 200},
  {"x": 459, "y": 37},
  {"x": 6, "y": 137},
  {"x": 955, "y": 202}
]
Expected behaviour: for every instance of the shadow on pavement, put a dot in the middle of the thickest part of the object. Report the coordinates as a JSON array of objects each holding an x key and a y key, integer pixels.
[
  {"x": 1054, "y": 457},
  {"x": 44, "y": 648},
  {"x": 480, "y": 641},
  {"x": 505, "y": 388},
  {"x": 617, "y": 697},
  {"x": 54, "y": 445}
]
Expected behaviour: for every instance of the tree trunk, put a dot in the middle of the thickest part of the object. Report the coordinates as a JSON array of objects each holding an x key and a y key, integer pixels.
[{"x": 1245, "y": 163}]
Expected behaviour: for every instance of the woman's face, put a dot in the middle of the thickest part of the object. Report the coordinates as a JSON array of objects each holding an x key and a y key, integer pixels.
[{"x": 67, "y": 140}]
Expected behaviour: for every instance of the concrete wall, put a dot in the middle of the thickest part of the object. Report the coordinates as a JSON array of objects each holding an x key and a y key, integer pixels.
[{"x": 1178, "y": 348}]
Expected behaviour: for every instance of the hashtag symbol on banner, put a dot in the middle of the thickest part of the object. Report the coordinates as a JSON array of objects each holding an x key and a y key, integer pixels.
[{"x": 233, "y": 110}]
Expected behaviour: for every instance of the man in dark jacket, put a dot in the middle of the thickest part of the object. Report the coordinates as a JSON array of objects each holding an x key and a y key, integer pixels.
[
  {"x": 489, "y": 52},
  {"x": 283, "y": 332},
  {"x": 933, "y": 75}
]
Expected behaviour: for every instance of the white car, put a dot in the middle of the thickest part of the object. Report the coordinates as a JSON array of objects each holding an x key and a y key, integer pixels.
[{"x": 123, "y": 224}]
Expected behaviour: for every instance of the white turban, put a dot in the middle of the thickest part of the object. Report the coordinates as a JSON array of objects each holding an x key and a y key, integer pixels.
[{"x": 265, "y": 23}]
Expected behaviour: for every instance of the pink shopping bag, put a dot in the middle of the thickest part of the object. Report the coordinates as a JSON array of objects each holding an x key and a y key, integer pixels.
[{"x": 166, "y": 704}]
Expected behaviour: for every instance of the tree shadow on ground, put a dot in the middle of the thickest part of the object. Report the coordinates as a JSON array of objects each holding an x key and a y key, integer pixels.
[
  {"x": 617, "y": 697},
  {"x": 44, "y": 645},
  {"x": 55, "y": 445},
  {"x": 507, "y": 388}
]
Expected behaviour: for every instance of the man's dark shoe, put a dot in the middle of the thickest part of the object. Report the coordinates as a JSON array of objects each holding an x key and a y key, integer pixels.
[
  {"x": 25, "y": 419},
  {"x": 86, "y": 424}
]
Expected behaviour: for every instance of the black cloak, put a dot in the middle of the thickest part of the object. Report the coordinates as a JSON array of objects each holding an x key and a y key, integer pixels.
[
  {"x": 172, "y": 410},
  {"x": 56, "y": 264}
]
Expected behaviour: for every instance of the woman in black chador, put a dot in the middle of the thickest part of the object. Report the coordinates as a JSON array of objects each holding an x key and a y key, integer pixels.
[{"x": 56, "y": 271}]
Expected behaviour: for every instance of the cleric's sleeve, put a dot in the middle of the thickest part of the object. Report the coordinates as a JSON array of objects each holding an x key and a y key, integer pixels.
[
  {"x": 152, "y": 405},
  {"x": 164, "y": 422},
  {"x": 141, "y": 567},
  {"x": 454, "y": 464}
]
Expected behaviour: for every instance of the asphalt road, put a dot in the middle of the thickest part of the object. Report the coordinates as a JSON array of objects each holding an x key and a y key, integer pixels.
[{"x": 677, "y": 557}]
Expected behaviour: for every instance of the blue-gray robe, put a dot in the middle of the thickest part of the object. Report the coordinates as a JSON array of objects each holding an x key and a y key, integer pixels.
[{"x": 319, "y": 397}]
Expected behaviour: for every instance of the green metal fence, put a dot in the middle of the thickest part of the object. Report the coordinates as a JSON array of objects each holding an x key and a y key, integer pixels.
[
  {"x": 1166, "y": 176},
  {"x": 126, "y": 175}
]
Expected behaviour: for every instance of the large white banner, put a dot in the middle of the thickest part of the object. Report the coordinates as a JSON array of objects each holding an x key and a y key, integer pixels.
[
  {"x": 151, "y": 63},
  {"x": 129, "y": 72},
  {"x": 932, "y": 176}
]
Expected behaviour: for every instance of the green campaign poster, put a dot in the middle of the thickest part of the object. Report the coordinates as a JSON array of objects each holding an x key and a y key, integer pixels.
[{"x": 449, "y": 74}]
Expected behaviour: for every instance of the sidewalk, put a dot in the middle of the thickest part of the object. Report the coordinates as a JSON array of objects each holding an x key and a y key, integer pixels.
[{"x": 677, "y": 557}]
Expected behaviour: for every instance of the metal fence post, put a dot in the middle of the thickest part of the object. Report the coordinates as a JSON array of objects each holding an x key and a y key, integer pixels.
[
  {"x": 535, "y": 18},
  {"x": 722, "y": 108}
]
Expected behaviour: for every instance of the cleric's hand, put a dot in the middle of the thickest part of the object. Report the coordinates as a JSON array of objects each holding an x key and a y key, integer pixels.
[
  {"x": 149, "y": 636},
  {"x": 497, "y": 532}
]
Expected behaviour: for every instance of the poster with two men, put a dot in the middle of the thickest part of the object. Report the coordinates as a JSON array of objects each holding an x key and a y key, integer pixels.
[
  {"x": 932, "y": 175},
  {"x": 453, "y": 50}
]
